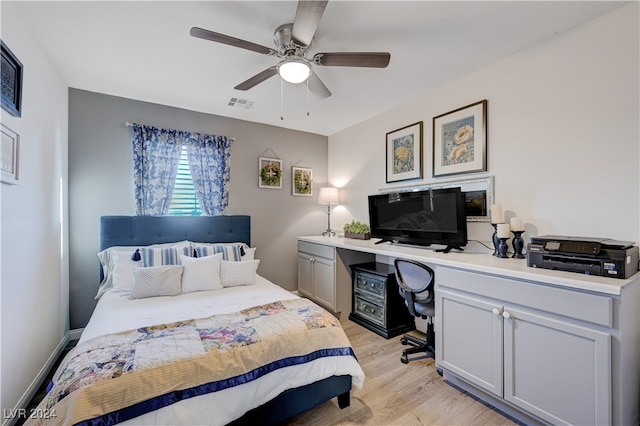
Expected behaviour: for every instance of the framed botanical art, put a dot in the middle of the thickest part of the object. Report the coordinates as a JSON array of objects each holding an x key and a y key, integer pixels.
[
  {"x": 302, "y": 181},
  {"x": 10, "y": 156},
  {"x": 460, "y": 140},
  {"x": 404, "y": 153},
  {"x": 269, "y": 173},
  {"x": 11, "y": 81}
]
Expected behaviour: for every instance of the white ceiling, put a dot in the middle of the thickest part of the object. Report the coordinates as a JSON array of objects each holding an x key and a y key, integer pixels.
[{"x": 142, "y": 50}]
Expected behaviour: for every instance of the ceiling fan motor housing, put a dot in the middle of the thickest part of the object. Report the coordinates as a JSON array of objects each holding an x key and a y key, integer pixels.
[{"x": 284, "y": 42}]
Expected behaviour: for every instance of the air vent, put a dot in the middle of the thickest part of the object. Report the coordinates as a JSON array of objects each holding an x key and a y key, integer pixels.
[{"x": 240, "y": 103}]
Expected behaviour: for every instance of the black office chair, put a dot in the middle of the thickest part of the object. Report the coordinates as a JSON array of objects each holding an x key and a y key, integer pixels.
[{"x": 415, "y": 282}]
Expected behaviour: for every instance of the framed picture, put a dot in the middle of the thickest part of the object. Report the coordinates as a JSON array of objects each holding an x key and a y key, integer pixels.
[
  {"x": 404, "y": 153},
  {"x": 302, "y": 181},
  {"x": 269, "y": 173},
  {"x": 460, "y": 140},
  {"x": 11, "y": 82},
  {"x": 10, "y": 156}
]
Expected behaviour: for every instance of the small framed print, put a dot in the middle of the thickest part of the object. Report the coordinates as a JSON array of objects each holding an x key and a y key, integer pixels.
[
  {"x": 404, "y": 153},
  {"x": 10, "y": 156},
  {"x": 302, "y": 181},
  {"x": 269, "y": 173},
  {"x": 460, "y": 140}
]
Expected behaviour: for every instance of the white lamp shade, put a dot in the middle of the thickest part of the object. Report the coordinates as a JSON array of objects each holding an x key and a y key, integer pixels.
[
  {"x": 294, "y": 70},
  {"x": 329, "y": 195}
]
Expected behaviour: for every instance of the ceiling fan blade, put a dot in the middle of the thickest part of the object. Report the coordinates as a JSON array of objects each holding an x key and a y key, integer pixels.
[
  {"x": 317, "y": 87},
  {"x": 308, "y": 17},
  {"x": 231, "y": 41},
  {"x": 257, "y": 79},
  {"x": 353, "y": 59}
]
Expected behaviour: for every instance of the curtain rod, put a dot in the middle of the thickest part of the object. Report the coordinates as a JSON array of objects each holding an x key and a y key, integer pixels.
[{"x": 127, "y": 124}]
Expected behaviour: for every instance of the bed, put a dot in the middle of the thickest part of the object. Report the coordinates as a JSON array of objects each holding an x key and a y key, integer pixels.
[{"x": 250, "y": 352}]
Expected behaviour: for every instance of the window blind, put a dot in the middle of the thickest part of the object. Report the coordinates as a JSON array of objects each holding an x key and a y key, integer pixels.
[{"x": 184, "y": 201}]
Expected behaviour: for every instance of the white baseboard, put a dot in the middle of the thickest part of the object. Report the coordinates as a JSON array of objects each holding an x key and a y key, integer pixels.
[
  {"x": 26, "y": 398},
  {"x": 75, "y": 334}
]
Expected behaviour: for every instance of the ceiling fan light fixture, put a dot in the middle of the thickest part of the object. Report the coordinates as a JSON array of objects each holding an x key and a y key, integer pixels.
[{"x": 294, "y": 70}]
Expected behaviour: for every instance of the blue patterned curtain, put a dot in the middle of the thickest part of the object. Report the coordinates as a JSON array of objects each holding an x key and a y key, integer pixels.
[
  {"x": 156, "y": 154},
  {"x": 209, "y": 162}
]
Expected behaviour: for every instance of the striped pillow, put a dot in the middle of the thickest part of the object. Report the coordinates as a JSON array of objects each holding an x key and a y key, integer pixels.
[
  {"x": 231, "y": 252},
  {"x": 161, "y": 256}
]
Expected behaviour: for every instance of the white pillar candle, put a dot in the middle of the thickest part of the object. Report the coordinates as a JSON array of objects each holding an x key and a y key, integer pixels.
[
  {"x": 503, "y": 230},
  {"x": 517, "y": 224},
  {"x": 497, "y": 215}
]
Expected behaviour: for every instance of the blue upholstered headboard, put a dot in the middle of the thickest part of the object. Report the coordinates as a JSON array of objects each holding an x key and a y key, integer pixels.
[{"x": 146, "y": 230}]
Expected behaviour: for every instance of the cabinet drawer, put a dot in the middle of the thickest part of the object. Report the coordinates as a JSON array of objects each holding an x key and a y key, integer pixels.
[
  {"x": 569, "y": 303},
  {"x": 317, "y": 250},
  {"x": 369, "y": 283},
  {"x": 370, "y": 311}
]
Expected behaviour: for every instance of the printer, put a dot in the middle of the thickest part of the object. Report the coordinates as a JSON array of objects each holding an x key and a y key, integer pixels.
[{"x": 591, "y": 256}]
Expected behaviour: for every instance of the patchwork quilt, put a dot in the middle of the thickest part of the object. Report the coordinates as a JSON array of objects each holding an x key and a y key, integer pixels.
[{"x": 117, "y": 377}]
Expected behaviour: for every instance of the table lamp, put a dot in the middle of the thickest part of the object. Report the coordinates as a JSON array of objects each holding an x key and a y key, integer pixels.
[{"x": 329, "y": 195}]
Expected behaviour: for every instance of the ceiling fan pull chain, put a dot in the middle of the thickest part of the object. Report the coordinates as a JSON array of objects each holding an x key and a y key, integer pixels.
[
  {"x": 307, "y": 84},
  {"x": 281, "y": 99}
]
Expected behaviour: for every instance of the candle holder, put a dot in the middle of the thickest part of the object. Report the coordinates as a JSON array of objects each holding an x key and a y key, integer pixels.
[
  {"x": 518, "y": 244},
  {"x": 495, "y": 239},
  {"x": 502, "y": 248}
]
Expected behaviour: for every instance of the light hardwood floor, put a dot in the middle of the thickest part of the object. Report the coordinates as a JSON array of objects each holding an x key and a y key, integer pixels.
[{"x": 398, "y": 394}]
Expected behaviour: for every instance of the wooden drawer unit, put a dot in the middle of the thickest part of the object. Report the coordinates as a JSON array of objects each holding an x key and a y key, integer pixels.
[
  {"x": 377, "y": 304},
  {"x": 370, "y": 311},
  {"x": 369, "y": 285}
]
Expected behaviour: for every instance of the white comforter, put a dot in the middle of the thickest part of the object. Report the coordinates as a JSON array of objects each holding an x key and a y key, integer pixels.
[{"x": 116, "y": 312}]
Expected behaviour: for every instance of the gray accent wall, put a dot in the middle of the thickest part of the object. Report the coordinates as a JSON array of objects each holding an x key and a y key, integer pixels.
[{"x": 101, "y": 183}]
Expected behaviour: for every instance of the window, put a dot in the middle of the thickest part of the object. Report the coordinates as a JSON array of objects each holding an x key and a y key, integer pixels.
[
  {"x": 157, "y": 156},
  {"x": 184, "y": 201}
]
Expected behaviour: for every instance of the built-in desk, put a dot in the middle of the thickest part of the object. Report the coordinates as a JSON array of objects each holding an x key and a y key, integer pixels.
[{"x": 544, "y": 346}]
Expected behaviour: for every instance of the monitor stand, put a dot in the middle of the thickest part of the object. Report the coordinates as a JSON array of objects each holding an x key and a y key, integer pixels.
[{"x": 449, "y": 248}]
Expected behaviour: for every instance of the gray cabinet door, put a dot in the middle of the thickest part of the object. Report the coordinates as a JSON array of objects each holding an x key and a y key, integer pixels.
[
  {"x": 469, "y": 342},
  {"x": 305, "y": 275},
  {"x": 557, "y": 370},
  {"x": 325, "y": 282}
]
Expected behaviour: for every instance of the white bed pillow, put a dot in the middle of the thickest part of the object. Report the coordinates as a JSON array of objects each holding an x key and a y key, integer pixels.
[
  {"x": 108, "y": 265},
  {"x": 123, "y": 267},
  {"x": 249, "y": 253},
  {"x": 201, "y": 273},
  {"x": 156, "y": 281},
  {"x": 234, "y": 273}
]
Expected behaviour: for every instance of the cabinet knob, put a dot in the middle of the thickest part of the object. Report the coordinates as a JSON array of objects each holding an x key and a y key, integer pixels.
[
  {"x": 506, "y": 314},
  {"x": 495, "y": 311}
]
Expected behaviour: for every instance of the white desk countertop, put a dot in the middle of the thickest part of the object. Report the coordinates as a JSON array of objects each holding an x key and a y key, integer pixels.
[{"x": 480, "y": 262}]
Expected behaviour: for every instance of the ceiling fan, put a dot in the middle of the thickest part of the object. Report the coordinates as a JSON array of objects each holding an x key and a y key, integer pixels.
[{"x": 292, "y": 43}]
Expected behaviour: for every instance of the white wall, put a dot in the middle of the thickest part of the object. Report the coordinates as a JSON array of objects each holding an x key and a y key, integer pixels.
[
  {"x": 34, "y": 268},
  {"x": 563, "y": 142}
]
